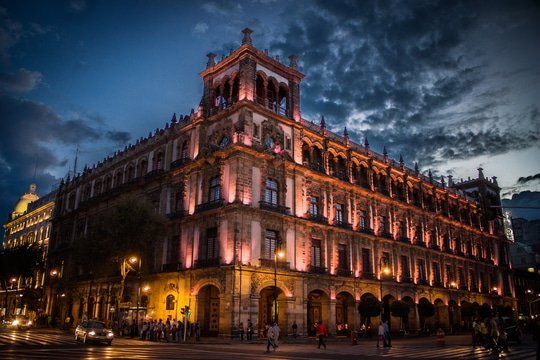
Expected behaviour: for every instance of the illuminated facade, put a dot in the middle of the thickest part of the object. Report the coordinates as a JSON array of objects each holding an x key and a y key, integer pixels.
[
  {"x": 244, "y": 176},
  {"x": 28, "y": 225}
]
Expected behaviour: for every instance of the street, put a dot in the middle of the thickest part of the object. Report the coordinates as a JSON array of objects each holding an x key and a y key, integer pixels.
[{"x": 51, "y": 344}]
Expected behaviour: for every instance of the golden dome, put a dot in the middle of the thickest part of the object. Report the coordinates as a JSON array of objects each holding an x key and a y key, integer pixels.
[{"x": 26, "y": 199}]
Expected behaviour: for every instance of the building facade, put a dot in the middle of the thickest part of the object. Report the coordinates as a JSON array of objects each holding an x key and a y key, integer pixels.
[
  {"x": 29, "y": 225},
  {"x": 245, "y": 179}
]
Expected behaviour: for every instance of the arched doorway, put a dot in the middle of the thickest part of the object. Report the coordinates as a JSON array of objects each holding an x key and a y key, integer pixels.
[
  {"x": 368, "y": 308},
  {"x": 409, "y": 323},
  {"x": 317, "y": 308},
  {"x": 453, "y": 316},
  {"x": 208, "y": 310},
  {"x": 426, "y": 310},
  {"x": 441, "y": 315},
  {"x": 386, "y": 315},
  {"x": 345, "y": 311},
  {"x": 271, "y": 307}
]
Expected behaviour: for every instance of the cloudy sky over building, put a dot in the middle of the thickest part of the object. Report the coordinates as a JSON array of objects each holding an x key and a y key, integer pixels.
[{"x": 450, "y": 85}]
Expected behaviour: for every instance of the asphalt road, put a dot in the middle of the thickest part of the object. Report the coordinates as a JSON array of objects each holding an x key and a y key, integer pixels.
[{"x": 52, "y": 344}]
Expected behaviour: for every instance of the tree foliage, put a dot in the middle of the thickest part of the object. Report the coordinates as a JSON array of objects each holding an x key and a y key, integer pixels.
[
  {"x": 20, "y": 261},
  {"x": 369, "y": 307},
  {"x": 426, "y": 309},
  {"x": 399, "y": 309},
  {"x": 128, "y": 228}
]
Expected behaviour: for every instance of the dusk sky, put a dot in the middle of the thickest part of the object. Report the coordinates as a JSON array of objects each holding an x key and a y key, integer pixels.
[{"x": 450, "y": 85}]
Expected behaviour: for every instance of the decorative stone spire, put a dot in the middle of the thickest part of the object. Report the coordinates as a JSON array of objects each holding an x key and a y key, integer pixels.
[
  {"x": 323, "y": 123},
  {"x": 442, "y": 182},
  {"x": 401, "y": 163},
  {"x": 416, "y": 171},
  {"x": 430, "y": 176},
  {"x": 247, "y": 36},
  {"x": 211, "y": 60},
  {"x": 450, "y": 181},
  {"x": 173, "y": 120},
  {"x": 494, "y": 178},
  {"x": 346, "y": 136},
  {"x": 293, "y": 61},
  {"x": 480, "y": 174},
  {"x": 385, "y": 154}
]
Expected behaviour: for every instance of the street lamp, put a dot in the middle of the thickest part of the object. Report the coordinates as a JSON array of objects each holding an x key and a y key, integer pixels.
[
  {"x": 278, "y": 253},
  {"x": 125, "y": 267},
  {"x": 382, "y": 272}
]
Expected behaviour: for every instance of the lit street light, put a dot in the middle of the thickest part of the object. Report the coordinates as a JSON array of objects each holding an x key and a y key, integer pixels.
[{"x": 382, "y": 273}]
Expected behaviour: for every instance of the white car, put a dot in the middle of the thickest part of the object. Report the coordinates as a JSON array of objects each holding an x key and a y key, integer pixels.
[
  {"x": 93, "y": 331},
  {"x": 20, "y": 322}
]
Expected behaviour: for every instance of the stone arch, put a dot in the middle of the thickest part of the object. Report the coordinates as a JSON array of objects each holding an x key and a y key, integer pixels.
[
  {"x": 410, "y": 323},
  {"x": 454, "y": 316},
  {"x": 441, "y": 314},
  {"x": 209, "y": 309},
  {"x": 318, "y": 303},
  {"x": 196, "y": 288},
  {"x": 345, "y": 312}
]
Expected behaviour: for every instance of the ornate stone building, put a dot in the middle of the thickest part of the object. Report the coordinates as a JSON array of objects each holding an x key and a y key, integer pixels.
[
  {"x": 244, "y": 178},
  {"x": 28, "y": 225}
]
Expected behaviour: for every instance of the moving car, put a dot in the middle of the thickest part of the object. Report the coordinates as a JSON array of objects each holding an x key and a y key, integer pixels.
[
  {"x": 20, "y": 322},
  {"x": 93, "y": 331}
]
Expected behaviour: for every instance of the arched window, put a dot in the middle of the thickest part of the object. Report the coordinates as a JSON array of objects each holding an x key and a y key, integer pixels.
[
  {"x": 215, "y": 189},
  {"x": 224, "y": 142},
  {"x": 169, "y": 303}
]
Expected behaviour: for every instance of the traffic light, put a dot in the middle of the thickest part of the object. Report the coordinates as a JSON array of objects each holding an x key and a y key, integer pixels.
[
  {"x": 187, "y": 310},
  {"x": 182, "y": 311}
]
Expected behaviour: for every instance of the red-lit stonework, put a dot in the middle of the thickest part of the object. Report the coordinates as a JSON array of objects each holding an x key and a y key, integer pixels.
[{"x": 244, "y": 175}]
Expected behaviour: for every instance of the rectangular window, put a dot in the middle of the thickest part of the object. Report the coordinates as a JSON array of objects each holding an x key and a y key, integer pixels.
[
  {"x": 271, "y": 192},
  {"x": 421, "y": 268},
  {"x": 339, "y": 214},
  {"x": 270, "y": 243},
  {"x": 403, "y": 229},
  {"x": 364, "y": 221},
  {"x": 383, "y": 225},
  {"x": 366, "y": 261},
  {"x": 209, "y": 248},
  {"x": 449, "y": 275},
  {"x": 313, "y": 205},
  {"x": 316, "y": 255},
  {"x": 256, "y": 130},
  {"x": 343, "y": 263},
  {"x": 461, "y": 279},
  {"x": 436, "y": 272},
  {"x": 215, "y": 189},
  {"x": 405, "y": 268}
]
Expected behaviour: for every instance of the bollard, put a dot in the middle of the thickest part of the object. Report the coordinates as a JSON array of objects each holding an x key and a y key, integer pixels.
[
  {"x": 354, "y": 338},
  {"x": 440, "y": 337}
]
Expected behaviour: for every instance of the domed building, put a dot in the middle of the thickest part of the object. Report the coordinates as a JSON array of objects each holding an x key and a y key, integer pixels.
[{"x": 29, "y": 226}]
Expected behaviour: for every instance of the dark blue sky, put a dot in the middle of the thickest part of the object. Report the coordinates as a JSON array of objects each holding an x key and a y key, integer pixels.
[{"x": 452, "y": 85}]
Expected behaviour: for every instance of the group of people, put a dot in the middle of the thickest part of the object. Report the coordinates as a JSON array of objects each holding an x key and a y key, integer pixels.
[
  {"x": 383, "y": 334},
  {"x": 249, "y": 330},
  {"x": 170, "y": 330},
  {"x": 491, "y": 334},
  {"x": 272, "y": 335}
]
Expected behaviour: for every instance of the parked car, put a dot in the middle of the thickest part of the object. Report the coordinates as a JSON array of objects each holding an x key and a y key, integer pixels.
[
  {"x": 20, "y": 322},
  {"x": 513, "y": 331},
  {"x": 93, "y": 331}
]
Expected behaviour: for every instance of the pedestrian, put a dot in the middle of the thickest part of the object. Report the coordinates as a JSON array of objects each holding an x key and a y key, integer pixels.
[
  {"x": 321, "y": 332},
  {"x": 272, "y": 337},
  {"x": 198, "y": 330},
  {"x": 294, "y": 329},
  {"x": 249, "y": 330},
  {"x": 380, "y": 334},
  {"x": 387, "y": 338},
  {"x": 241, "y": 330}
]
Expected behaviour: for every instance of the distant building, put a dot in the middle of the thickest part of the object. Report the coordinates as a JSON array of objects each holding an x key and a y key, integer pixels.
[
  {"x": 244, "y": 179},
  {"x": 29, "y": 224}
]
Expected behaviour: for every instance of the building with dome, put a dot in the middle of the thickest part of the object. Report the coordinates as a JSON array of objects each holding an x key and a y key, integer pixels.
[
  {"x": 29, "y": 225},
  {"x": 274, "y": 217}
]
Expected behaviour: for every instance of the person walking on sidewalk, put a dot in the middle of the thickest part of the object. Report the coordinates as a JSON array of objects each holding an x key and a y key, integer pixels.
[
  {"x": 321, "y": 333},
  {"x": 380, "y": 334},
  {"x": 272, "y": 336}
]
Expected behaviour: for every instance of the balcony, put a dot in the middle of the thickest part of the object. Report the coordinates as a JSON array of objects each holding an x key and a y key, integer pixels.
[
  {"x": 343, "y": 225},
  {"x": 317, "y": 167},
  {"x": 448, "y": 250},
  {"x": 343, "y": 272},
  {"x": 214, "y": 204},
  {"x": 406, "y": 280},
  {"x": 341, "y": 175},
  {"x": 489, "y": 261},
  {"x": 264, "y": 205},
  {"x": 364, "y": 184},
  {"x": 386, "y": 235},
  {"x": 207, "y": 263},
  {"x": 270, "y": 263},
  {"x": 404, "y": 239},
  {"x": 172, "y": 267},
  {"x": 154, "y": 173},
  {"x": 318, "y": 219},
  {"x": 365, "y": 230},
  {"x": 367, "y": 275},
  {"x": 463, "y": 287},
  {"x": 438, "y": 284},
  {"x": 180, "y": 162},
  {"x": 178, "y": 214},
  {"x": 419, "y": 242},
  {"x": 317, "y": 270},
  {"x": 422, "y": 282},
  {"x": 434, "y": 246}
]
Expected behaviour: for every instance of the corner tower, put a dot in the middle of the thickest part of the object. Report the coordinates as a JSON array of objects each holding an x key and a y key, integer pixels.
[{"x": 251, "y": 75}]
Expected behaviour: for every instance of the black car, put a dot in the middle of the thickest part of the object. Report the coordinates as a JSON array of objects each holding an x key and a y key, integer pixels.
[{"x": 513, "y": 331}]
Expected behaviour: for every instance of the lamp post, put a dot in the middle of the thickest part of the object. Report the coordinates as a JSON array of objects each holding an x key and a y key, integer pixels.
[
  {"x": 278, "y": 253},
  {"x": 382, "y": 272},
  {"x": 125, "y": 267}
]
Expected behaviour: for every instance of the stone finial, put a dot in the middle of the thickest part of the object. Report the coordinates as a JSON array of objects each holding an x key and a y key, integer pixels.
[
  {"x": 323, "y": 123},
  {"x": 494, "y": 178},
  {"x": 385, "y": 154},
  {"x": 442, "y": 182},
  {"x": 430, "y": 176},
  {"x": 366, "y": 143},
  {"x": 450, "y": 181},
  {"x": 480, "y": 174},
  {"x": 345, "y": 133},
  {"x": 416, "y": 171},
  {"x": 293, "y": 61},
  {"x": 211, "y": 60},
  {"x": 173, "y": 120},
  {"x": 247, "y": 36}
]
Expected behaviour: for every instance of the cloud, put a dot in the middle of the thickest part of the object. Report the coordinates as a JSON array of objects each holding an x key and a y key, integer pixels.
[
  {"x": 224, "y": 7},
  {"x": 200, "y": 28},
  {"x": 526, "y": 179},
  {"x": 21, "y": 81},
  {"x": 78, "y": 6}
]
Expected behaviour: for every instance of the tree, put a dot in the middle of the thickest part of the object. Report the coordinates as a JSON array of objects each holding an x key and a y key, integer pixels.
[
  {"x": 128, "y": 228},
  {"x": 369, "y": 307},
  {"x": 400, "y": 309},
  {"x": 425, "y": 310},
  {"x": 485, "y": 311}
]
